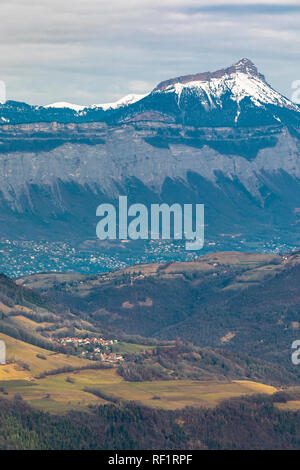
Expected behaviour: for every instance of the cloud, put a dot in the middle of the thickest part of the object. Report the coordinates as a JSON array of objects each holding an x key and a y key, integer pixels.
[{"x": 96, "y": 51}]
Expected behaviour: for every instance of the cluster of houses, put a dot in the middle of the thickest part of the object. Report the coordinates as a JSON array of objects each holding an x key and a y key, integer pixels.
[
  {"x": 111, "y": 357},
  {"x": 94, "y": 348}
]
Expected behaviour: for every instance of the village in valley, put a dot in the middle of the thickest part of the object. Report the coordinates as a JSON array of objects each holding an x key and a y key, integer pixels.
[{"x": 94, "y": 348}]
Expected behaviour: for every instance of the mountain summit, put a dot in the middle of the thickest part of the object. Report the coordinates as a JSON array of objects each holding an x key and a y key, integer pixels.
[
  {"x": 237, "y": 95},
  {"x": 245, "y": 66}
]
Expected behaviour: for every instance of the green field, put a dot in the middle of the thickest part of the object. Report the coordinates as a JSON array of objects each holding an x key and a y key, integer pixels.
[
  {"x": 63, "y": 392},
  {"x": 130, "y": 348}
]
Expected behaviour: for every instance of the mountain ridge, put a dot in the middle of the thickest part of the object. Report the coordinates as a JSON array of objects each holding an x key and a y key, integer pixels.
[
  {"x": 243, "y": 65},
  {"x": 222, "y": 91}
]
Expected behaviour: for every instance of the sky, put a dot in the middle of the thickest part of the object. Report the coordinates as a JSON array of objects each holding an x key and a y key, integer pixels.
[{"x": 96, "y": 51}]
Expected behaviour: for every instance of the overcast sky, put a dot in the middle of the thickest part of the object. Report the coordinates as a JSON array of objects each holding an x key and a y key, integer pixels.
[{"x": 94, "y": 51}]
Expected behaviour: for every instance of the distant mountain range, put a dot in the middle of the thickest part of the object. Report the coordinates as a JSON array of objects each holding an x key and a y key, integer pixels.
[
  {"x": 235, "y": 91},
  {"x": 235, "y": 96},
  {"x": 226, "y": 139}
]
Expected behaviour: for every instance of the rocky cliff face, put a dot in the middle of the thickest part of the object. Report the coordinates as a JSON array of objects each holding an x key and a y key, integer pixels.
[
  {"x": 53, "y": 176},
  {"x": 98, "y": 156}
]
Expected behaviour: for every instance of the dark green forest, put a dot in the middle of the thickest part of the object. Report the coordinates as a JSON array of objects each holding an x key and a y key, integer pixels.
[{"x": 244, "y": 423}]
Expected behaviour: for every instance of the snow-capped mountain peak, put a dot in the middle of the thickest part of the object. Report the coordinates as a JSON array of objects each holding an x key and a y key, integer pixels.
[
  {"x": 239, "y": 81},
  {"x": 125, "y": 101},
  {"x": 65, "y": 104}
]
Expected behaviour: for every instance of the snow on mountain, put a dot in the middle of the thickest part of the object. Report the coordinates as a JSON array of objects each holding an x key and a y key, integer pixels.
[
  {"x": 65, "y": 104},
  {"x": 239, "y": 81},
  {"x": 125, "y": 101}
]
